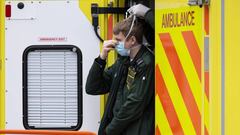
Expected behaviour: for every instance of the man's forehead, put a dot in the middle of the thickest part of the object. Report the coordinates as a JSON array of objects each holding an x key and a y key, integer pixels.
[{"x": 119, "y": 36}]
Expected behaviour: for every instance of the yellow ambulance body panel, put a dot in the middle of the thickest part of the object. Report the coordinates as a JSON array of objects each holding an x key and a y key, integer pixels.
[
  {"x": 232, "y": 66},
  {"x": 2, "y": 65},
  {"x": 221, "y": 111},
  {"x": 179, "y": 69}
]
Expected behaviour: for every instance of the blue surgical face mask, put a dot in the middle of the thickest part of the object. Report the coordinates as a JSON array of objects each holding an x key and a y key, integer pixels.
[{"x": 121, "y": 50}]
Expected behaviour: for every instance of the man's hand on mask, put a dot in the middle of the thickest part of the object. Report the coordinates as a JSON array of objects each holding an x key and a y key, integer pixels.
[
  {"x": 139, "y": 10},
  {"x": 108, "y": 45}
]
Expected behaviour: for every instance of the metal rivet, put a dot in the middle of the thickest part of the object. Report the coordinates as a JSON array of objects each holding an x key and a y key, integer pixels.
[{"x": 74, "y": 49}]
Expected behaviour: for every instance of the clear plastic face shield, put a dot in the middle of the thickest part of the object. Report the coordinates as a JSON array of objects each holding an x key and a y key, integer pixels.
[
  {"x": 120, "y": 47},
  {"x": 130, "y": 14}
]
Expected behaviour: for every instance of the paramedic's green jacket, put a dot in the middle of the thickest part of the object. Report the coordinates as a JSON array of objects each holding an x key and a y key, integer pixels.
[{"x": 130, "y": 105}]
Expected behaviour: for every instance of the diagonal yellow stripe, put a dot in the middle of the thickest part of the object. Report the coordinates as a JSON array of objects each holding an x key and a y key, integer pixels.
[
  {"x": 206, "y": 113},
  {"x": 199, "y": 36},
  {"x": 161, "y": 119},
  {"x": 192, "y": 76},
  {"x": 188, "y": 68},
  {"x": 173, "y": 89}
]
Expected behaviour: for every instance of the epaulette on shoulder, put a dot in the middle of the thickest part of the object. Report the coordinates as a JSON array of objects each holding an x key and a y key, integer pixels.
[{"x": 148, "y": 58}]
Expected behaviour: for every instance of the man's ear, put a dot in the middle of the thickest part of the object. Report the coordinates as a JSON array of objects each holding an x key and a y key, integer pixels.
[{"x": 133, "y": 40}]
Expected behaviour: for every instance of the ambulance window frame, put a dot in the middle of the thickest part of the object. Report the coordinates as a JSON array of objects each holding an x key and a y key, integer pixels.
[{"x": 79, "y": 84}]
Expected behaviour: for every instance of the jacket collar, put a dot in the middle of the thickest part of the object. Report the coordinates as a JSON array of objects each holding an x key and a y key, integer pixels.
[{"x": 139, "y": 55}]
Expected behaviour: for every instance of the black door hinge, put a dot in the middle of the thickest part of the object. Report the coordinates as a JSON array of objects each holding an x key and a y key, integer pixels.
[{"x": 95, "y": 11}]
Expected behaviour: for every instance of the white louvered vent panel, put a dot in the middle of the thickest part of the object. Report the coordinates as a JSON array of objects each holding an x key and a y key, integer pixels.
[{"x": 52, "y": 88}]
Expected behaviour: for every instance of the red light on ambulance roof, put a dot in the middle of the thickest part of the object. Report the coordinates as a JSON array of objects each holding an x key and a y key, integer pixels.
[{"x": 8, "y": 11}]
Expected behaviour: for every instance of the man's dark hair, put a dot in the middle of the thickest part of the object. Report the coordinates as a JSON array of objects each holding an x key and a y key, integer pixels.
[{"x": 125, "y": 25}]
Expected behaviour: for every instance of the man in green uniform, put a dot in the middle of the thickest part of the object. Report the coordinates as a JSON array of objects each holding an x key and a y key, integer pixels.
[{"x": 129, "y": 82}]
